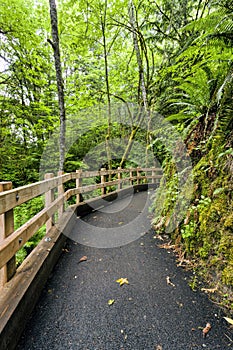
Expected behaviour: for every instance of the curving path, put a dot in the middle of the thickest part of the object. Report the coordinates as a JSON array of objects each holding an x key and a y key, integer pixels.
[{"x": 148, "y": 313}]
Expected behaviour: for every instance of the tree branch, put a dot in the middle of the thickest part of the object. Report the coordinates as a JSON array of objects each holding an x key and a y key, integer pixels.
[
  {"x": 169, "y": 19},
  {"x": 51, "y": 43}
]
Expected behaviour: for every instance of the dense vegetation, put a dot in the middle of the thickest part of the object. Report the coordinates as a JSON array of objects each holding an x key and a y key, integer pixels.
[{"x": 169, "y": 57}]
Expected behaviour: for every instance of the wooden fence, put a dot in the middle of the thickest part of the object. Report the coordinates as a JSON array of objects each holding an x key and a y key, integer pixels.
[{"x": 56, "y": 197}]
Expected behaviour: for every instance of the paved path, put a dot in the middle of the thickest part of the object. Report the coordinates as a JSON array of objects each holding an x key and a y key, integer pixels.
[{"x": 148, "y": 314}]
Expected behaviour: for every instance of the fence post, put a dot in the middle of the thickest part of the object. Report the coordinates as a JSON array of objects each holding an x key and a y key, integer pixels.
[
  {"x": 146, "y": 179},
  {"x": 60, "y": 192},
  {"x": 103, "y": 189},
  {"x": 49, "y": 198},
  {"x": 6, "y": 229},
  {"x": 138, "y": 175},
  {"x": 153, "y": 178},
  {"x": 78, "y": 184},
  {"x": 119, "y": 175},
  {"x": 131, "y": 177}
]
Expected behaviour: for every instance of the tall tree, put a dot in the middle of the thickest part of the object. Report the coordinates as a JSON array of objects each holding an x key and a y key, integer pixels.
[
  {"x": 27, "y": 89},
  {"x": 103, "y": 28},
  {"x": 136, "y": 33},
  {"x": 60, "y": 84}
]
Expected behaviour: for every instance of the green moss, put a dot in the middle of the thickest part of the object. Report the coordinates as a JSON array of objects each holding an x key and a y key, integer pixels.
[
  {"x": 206, "y": 233},
  {"x": 205, "y": 250},
  {"x": 228, "y": 223},
  {"x": 227, "y": 275}
]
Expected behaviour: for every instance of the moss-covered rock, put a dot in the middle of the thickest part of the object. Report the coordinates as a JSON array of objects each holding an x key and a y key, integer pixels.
[{"x": 206, "y": 232}]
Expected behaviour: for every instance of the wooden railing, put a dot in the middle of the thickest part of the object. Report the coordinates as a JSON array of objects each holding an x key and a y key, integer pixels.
[
  {"x": 56, "y": 198},
  {"x": 63, "y": 195}
]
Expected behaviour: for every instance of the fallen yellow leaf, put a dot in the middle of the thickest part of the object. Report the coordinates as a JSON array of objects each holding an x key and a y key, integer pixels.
[
  {"x": 111, "y": 301},
  {"x": 229, "y": 320},
  {"x": 122, "y": 281}
]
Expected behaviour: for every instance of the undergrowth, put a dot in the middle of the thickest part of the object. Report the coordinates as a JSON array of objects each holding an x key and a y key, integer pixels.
[
  {"x": 22, "y": 214},
  {"x": 205, "y": 232}
]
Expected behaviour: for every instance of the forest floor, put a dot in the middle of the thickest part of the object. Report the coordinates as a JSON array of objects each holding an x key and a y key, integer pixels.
[{"x": 82, "y": 307}]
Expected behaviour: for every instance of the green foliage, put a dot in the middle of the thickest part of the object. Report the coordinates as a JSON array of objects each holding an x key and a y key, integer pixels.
[
  {"x": 196, "y": 94},
  {"x": 22, "y": 214},
  {"x": 206, "y": 231},
  {"x": 27, "y": 90}
]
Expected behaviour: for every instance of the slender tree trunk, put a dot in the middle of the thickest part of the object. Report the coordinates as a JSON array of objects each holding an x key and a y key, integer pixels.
[
  {"x": 108, "y": 137},
  {"x": 129, "y": 146},
  {"x": 142, "y": 85},
  {"x": 60, "y": 84},
  {"x": 134, "y": 26}
]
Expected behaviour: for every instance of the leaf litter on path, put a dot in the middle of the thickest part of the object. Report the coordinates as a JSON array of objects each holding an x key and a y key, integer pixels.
[
  {"x": 84, "y": 258},
  {"x": 169, "y": 282},
  {"x": 206, "y": 330},
  {"x": 229, "y": 320},
  {"x": 122, "y": 281}
]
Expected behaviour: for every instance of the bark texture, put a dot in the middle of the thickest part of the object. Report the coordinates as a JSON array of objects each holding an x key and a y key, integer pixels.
[{"x": 60, "y": 84}]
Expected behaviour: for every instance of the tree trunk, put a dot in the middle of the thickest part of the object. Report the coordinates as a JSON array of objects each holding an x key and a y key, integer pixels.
[
  {"x": 142, "y": 85},
  {"x": 134, "y": 26},
  {"x": 60, "y": 85},
  {"x": 108, "y": 137}
]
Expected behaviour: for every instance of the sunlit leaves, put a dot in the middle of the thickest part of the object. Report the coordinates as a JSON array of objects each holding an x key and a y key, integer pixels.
[{"x": 27, "y": 88}]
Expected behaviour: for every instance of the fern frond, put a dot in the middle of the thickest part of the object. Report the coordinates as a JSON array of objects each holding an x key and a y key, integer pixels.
[{"x": 228, "y": 79}]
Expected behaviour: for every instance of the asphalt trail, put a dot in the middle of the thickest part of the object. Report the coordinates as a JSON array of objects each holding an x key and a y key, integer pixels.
[{"x": 148, "y": 314}]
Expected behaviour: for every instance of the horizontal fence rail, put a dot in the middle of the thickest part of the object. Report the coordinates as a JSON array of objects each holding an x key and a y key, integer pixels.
[{"x": 56, "y": 198}]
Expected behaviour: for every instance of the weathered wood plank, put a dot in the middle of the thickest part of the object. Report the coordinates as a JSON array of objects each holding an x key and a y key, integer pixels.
[
  {"x": 148, "y": 177},
  {"x": 89, "y": 188},
  {"x": 10, "y": 245},
  {"x": 87, "y": 174},
  {"x": 119, "y": 176},
  {"x": 6, "y": 229},
  {"x": 103, "y": 187},
  {"x": 150, "y": 169},
  {"x": 78, "y": 184},
  {"x": 49, "y": 198},
  {"x": 60, "y": 192},
  {"x": 20, "y": 195}
]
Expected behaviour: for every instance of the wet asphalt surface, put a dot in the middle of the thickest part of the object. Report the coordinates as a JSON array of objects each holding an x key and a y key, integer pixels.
[{"x": 147, "y": 314}]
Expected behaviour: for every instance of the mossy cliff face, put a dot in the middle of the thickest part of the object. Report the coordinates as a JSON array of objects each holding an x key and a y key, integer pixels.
[{"x": 206, "y": 231}]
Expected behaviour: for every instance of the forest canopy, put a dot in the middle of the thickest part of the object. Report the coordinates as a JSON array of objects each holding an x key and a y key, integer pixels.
[{"x": 170, "y": 57}]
